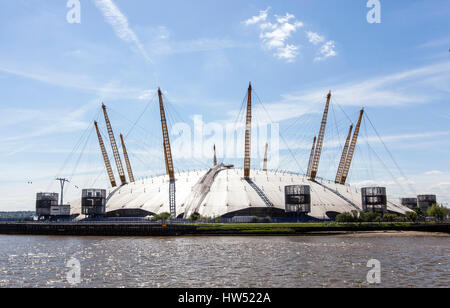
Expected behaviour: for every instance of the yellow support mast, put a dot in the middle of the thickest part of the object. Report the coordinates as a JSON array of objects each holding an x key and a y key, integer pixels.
[
  {"x": 115, "y": 150},
  {"x": 168, "y": 156},
  {"x": 311, "y": 157},
  {"x": 318, "y": 151},
  {"x": 127, "y": 160},
  {"x": 344, "y": 157},
  {"x": 105, "y": 157},
  {"x": 351, "y": 151},
  {"x": 248, "y": 134}
]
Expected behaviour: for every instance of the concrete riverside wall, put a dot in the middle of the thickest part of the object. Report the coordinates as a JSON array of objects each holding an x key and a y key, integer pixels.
[{"x": 147, "y": 229}]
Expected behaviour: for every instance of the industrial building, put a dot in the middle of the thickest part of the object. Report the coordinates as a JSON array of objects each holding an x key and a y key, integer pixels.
[
  {"x": 47, "y": 207},
  {"x": 93, "y": 202},
  {"x": 225, "y": 191},
  {"x": 410, "y": 203},
  {"x": 424, "y": 202}
]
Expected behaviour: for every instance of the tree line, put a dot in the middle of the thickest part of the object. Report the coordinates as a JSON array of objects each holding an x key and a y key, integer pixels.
[{"x": 438, "y": 212}]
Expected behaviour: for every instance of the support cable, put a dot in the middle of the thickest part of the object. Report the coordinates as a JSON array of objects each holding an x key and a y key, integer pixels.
[{"x": 392, "y": 156}]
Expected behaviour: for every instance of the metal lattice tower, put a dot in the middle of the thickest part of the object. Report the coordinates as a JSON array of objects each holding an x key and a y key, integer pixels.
[
  {"x": 62, "y": 182},
  {"x": 265, "y": 157},
  {"x": 172, "y": 200},
  {"x": 115, "y": 150},
  {"x": 318, "y": 152},
  {"x": 311, "y": 158},
  {"x": 344, "y": 156},
  {"x": 127, "y": 160},
  {"x": 168, "y": 157},
  {"x": 248, "y": 134},
  {"x": 351, "y": 151},
  {"x": 105, "y": 157}
]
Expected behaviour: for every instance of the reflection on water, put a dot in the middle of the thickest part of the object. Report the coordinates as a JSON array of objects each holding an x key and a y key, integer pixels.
[{"x": 411, "y": 260}]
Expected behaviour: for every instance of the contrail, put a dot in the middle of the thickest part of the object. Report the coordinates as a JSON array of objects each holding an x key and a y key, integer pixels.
[{"x": 120, "y": 25}]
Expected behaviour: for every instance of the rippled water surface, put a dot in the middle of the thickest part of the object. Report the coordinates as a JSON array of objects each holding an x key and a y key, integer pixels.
[{"x": 407, "y": 260}]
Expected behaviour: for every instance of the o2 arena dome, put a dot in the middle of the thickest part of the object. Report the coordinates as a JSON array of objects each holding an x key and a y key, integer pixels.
[{"x": 225, "y": 191}]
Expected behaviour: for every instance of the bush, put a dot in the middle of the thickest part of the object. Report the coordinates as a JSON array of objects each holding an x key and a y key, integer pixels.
[
  {"x": 163, "y": 216},
  {"x": 256, "y": 219},
  {"x": 370, "y": 217},
  {"x": 400, "y": 219},
  {"x": 355, "y": 216},
  {"x": 388, "y": 217},
  {"x": 346, "y": 217},
  {"x": 194, "y": 217}
]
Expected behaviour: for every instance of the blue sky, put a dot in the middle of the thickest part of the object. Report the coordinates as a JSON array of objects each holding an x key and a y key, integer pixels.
[{"x": 54, "y": 76}]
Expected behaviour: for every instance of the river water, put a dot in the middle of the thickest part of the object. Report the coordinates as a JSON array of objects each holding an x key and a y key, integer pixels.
[{"x": 407, "y": 260}]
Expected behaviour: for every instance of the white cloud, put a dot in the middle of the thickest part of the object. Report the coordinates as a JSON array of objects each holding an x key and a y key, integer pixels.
[
  {"x": 407, "y": 87},
  {"x": 285, "y": 19},
  {"x": 120, "y": 25},
  {"x": 47, "y": 122},
  {"x": 404, "y": 137},
  {"x": 160, "y": 41},
  {"x": 314, "y": 38},
  {"x": 167, "y": 47},
  {"x": 396, "y": 89},
  {"x": 147, "y": 95},
  {"x": 436, "y": 43},
  {"x": 257, "y": 19},
  {"x": 74, "y": 53},
  {"x": 288, "y": 52},
  {"x": 372, "y": 140},
  {"x": 327, "y": 50},
  {"x": 275, "y": 36},
  {"x": 111, "y": 90}
]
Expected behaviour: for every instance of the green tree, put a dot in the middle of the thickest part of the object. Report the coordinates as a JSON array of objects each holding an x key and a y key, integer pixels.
[
  {"x": 437, "y": 211},
  {"x": 370, "y": 217},
  {"x": 346, "y": 217},
  {"x": 163, "y": 216},
  {"x": 412, "y": 216},
  {"x": 379, "y": 218},
  {"x": 419, "y": 212},
  {"x": 355, "y": 215},
  {"x": 194, "y": 217},
  {"x": 390, "y": 217}
]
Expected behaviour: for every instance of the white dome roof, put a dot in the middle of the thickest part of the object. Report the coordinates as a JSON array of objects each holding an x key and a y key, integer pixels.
[{"x": 218, "y": 191}]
